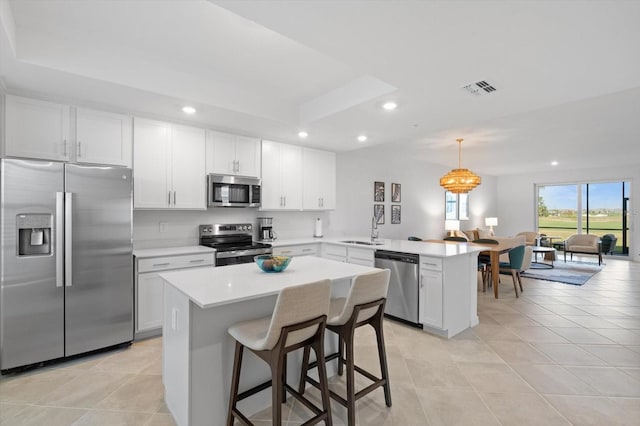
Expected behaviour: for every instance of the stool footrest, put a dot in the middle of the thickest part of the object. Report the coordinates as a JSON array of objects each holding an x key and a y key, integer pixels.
[
  {"x": 319, "y": 414},
  {"x": 241, "y": 416},
  {"x": 254, "y": 390}
]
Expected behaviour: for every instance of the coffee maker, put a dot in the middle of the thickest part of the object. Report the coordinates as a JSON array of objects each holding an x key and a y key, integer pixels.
[{"x": 265, "y": 229}]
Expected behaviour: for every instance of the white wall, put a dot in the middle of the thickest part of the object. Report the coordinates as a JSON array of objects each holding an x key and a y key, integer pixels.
[
  {"x": 182, "y": 225},
  {"x": 517, "y": 198},
  {"x": 422, "y": 197}
]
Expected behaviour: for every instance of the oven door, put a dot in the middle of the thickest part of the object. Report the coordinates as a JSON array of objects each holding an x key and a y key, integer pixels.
[
  {"x": 232, "y": 191},
  {"x": 234, "y": 260},
  {"x": 237, "y": 257}
]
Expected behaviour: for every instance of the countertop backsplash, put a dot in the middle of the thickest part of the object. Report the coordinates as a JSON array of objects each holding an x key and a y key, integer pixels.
[{"x": 180, "y": 227}]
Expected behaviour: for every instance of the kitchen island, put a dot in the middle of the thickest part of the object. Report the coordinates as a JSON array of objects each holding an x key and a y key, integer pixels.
[{"x": 200, "y": 305}]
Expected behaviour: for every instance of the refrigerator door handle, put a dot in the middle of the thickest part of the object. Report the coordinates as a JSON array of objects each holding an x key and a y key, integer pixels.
[
  {"x": 59, "y": 236},
  {"x": 68, "y": 236}
]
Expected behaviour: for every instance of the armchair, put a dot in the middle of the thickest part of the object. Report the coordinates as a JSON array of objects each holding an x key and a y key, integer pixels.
[
  {"x": 609, "y": 243},
  {"x": 583, "y": 244},
  {"x": 530, "y": 237}
]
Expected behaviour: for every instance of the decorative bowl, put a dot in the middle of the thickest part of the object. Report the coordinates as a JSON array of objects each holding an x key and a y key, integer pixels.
[{"x": 271, "y": 263}]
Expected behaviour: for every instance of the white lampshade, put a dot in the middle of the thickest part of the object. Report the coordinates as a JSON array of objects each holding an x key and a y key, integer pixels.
[
  {"x": 451, "y": 225},
  {"x": 491, "y": 221}
]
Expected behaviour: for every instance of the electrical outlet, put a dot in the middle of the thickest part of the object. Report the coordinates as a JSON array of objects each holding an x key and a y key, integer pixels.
[{"x": 163, "y": 226}]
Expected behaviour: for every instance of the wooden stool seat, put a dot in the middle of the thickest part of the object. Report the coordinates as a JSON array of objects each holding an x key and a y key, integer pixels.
[
  {"x": 363, "y": 306},
  {"x": 298, "y": 321}
]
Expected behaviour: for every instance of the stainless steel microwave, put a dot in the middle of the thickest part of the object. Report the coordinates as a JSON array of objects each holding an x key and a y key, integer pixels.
[{"x": 233, "y": 191}]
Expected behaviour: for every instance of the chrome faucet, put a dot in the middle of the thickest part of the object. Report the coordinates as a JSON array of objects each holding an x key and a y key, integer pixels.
[{"x": 374, "y": 230}]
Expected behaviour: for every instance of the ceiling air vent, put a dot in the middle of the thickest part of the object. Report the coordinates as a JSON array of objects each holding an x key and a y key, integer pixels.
[{"x": 479, "y": 88}]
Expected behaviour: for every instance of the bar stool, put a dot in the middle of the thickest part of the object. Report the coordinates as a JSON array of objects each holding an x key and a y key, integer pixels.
[
  {"x": 364, "y": 305},
  {"x": 298, "y": 321}
]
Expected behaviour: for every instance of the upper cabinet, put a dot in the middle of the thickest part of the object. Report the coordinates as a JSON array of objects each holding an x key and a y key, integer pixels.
[
  {"x": 168, "y": 166},
  {"x": 37, "y": 129},
  {"x": 103, "y": 138},
  {"x": 229, "y": 154},
  {"x": 281, "y": 176},
  {"x": 318, "y": 179},
  {"x": 43, "y": 130}
]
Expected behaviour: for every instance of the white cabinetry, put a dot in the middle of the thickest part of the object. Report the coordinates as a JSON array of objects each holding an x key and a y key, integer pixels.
[
  {"x": 103, "y": 138},
  {"x": 360, "y": 256},
  {"x": 448, "y": 293},
  {"x": 229, "y": 154},
  {"x": 431, "y": 291},
  {"x": 37, "y": 129},
  {"x": 334, "y": 252},
  {"x": 318, "y": 179},
  {"x": 281, "y": 176},
  {"x": 297, "y": 250},
  {"x": 149, "y": 288},
  {"x": 169, "y": 166}
]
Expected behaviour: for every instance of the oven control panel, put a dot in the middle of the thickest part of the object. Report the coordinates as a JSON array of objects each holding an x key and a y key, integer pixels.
[{"x": 226, "y": 229}]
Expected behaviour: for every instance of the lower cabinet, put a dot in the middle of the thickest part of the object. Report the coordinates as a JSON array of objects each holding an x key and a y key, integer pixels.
[
  {"x": 149, "y": 288},
  {"x": 448, "y": 294},
  {"x": 430, "y": 308},
  {"x": 298, "y": 250},
  {"x": 334, "y": 252},
  {"x": 360, "y": 256}
]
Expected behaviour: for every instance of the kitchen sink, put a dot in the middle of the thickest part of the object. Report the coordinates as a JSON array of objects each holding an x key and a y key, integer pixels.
[{"x": 366, "y": 243}]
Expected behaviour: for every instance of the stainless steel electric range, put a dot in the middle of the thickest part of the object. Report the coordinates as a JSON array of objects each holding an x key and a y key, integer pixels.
[{"x": 233, "y": 243}]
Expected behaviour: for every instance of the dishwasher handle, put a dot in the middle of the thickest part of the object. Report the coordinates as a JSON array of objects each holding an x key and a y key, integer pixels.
[{"x": 397, "y": 257}]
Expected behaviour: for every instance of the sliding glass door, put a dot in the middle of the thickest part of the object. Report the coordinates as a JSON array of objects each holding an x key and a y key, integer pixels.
[{"x": 586, "y": 208}]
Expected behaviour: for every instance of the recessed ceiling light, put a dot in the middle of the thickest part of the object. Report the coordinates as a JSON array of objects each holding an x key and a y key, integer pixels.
[
  {"x": 390, "y": 106},
  {"x": 362, "y": 138},
  {"x": 554, "y": 163},
  {"x": 188, "y": 110},
  {"x": 303, "y": 135}
]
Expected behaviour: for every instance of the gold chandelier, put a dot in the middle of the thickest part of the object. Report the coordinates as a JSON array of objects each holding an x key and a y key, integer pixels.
[{"x": 460, "y": 181}]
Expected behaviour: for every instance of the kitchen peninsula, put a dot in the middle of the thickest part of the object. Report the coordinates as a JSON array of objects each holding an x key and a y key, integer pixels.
[{"x": 200, "y": 305}]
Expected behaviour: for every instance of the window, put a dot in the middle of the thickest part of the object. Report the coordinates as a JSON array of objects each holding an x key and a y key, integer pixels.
[
  {"x": 456, "y": 206},
  {"x": 585, "y": 208}
]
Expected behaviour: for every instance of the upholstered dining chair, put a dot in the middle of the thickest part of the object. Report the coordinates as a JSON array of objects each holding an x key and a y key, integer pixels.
[
  {"x": 484, "y": 262},
  {"x": 514, "y": 266},
  {"x": 458, "y": 239}
]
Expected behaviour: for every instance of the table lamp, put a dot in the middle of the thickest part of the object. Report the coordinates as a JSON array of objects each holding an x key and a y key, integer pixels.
[
  {"x": 491, "y": 222},
  {"x": 451, "y": 225}
]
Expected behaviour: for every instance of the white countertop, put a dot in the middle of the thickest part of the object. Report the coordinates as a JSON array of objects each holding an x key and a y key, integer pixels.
[
  {"x": 209, "y": 287},
  {"x": 171, "y": 251},
  {"x": 402, "y": 246}
]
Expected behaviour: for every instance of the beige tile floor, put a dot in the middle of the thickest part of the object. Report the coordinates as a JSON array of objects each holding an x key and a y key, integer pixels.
[{"x": 560, "y": 354}]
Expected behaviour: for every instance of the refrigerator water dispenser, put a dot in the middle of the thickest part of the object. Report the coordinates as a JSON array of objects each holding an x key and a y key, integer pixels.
[{"x": 34, "y": 234}]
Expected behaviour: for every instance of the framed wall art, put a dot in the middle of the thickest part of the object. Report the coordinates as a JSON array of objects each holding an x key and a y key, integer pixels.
[
  {"x": 378, "y": 213},
  {"x": 395, "y": 214},
  {"x": 378, "y": 192},
  {"x": 395, "y": 192}
]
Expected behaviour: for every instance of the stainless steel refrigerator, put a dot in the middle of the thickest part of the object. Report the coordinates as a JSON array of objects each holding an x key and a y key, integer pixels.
[{"x": 66, "y": 271}]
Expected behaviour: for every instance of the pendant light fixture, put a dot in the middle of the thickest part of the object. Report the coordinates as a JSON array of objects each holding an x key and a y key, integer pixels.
[{"x": 460, "y": 181}]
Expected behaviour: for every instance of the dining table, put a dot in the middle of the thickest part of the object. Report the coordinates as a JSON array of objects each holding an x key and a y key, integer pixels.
[{"x": 494, "y": 251}]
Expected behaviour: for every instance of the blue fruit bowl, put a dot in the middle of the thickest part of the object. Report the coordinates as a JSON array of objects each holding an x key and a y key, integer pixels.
[{"x": 271, "y": 263}]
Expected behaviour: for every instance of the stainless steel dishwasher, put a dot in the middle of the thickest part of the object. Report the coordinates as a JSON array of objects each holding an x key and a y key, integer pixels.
[{"x": 402, "y": 299}]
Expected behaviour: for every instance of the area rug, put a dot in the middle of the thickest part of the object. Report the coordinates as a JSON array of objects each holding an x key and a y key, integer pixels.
[{"x": 575, "y": 273}]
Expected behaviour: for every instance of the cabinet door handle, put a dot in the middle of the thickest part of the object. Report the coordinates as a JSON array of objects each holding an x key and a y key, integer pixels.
[
  {"x": 307, "y": 249},
  {"x": 161, "y": 264},
  {"x": 64, "y": 147},
  {"x": 285, "y": 201},
  {"x": 174, "y": 198},
  {"x": 285, "y": 251},
  {"x": 196, "y": 261},
  {"x": 421, "y": 281},
  {"x": 79, "y": 149},
  {"x": 169, "y": 200}
]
